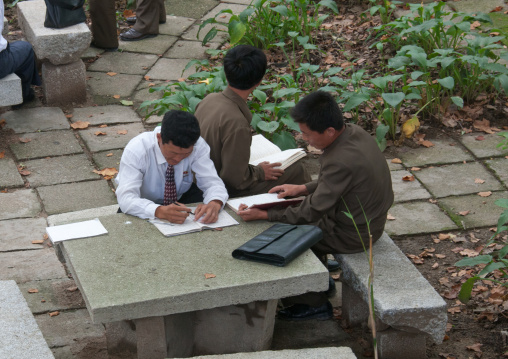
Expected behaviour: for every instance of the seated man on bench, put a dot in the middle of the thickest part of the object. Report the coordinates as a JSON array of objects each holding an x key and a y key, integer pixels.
[
  {"x": 156, "y": 173},
  {"x": 354, "y": 177}
]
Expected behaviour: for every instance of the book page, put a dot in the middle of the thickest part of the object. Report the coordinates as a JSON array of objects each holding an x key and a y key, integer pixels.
[
  {"x": 83, "y": 229},
  {"x": 250, "y": 201},
  {"x": 225, "y": 220},
  {"x": 260, "y": 148},
  {"x": 284, "y": 157}
]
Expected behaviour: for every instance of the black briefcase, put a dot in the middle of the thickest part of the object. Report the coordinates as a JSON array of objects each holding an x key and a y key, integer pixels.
[
  {"x": 64, "y": 13},
  {"x": 279, "y": 244}
]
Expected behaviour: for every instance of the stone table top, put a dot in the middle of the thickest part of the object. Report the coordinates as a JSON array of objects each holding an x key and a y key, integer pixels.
[{"x": 136, "y": 272}]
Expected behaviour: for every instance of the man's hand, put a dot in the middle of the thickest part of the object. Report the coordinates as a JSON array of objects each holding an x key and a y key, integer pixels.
[
  {"x": 209, "y": 212},
  {"x": 251, "y": 214},
  {"x": 271, "y": 173},
  {"x": 175, "y": 212},
  {"x": 289, "y": 190}
]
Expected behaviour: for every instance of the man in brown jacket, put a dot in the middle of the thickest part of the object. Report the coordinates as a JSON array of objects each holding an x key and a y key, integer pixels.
[
  {"x": 354, "y": 178},
  {"x": 224, "y": 119}
]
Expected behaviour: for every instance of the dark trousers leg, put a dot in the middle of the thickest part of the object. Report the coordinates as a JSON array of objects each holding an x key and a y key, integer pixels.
[
  {"x": 148, "y": 15},
  {"x": 19, "y": 58},
  {"x": 103, "y": 16}
]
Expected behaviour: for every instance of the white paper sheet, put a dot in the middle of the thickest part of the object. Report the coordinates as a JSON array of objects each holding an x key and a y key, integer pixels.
[{"x": 84, "y": 229}]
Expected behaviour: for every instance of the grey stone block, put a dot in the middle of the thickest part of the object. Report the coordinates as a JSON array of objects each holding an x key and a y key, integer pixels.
[
  {"x": 10, "y": 88},
  {"x": 10, "y": 175},
  {"x": 170, "y": 69},
  {"x": 192, "y": 35},
  {"x": 317, "y": 353},
  {"x": 354, "y": 308},
  {"x": 21, "y": 337},
  {"x": 175, "y": 25},
  {"x": 124, "y": 63},
  {"x": 417, "y": 217},
  {"x": 472, "y": 6},
  {"x": 403, "y": 298},
  {"x": 36, "y": 119},
  {"x": 18, "y": 234},
  {"x": 44, "y": 144},
  {"x": 104, "y": 85},
  {"x": 56, "y": 170},
  {"x": 58, "y": 46},
  {"x": 143, "y": 93},
  {"x": 64, "y": 84},
  {"x": 102, "y": 160},
  {"x": 82, "y": 215},
  {"x": 99, "y": 115},
  {"x": 184, "y": 49},
  {"x": 396, "y": 344},
  {"x": 157, "y": 45},
  {"x": 407, "y": 190},
  {"x": 445, "y": 150},
  {"x": 71, "y": 197},
  {"x": 112, "y": 140},
  {"x": 224, "y": 18},
  {"x": 25, "y": 266},
  {"x": 484, "y": 148},
  {"x": 22, "y": 203},
  {"x": 243, "y": 2},
  {"x": 500, "y": 167},
  {"x": 394, "y": 166},
  {"x": 5, "y": 29},
  {"x": 443, "y": 181}
]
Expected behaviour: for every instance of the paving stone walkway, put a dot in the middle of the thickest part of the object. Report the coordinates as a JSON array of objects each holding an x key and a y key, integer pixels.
[{"x": 60, "y": 161}]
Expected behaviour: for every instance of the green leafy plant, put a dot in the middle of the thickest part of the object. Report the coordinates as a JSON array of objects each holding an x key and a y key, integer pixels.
[{"x": 384, "y": 8}]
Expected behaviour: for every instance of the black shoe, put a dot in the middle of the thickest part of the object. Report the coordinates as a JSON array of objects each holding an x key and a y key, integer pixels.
[
  {"x": 332, "y": 290},
  {"x": 107, "y": 49},
  {"x": 133, "y": 35},
  {"x": 131, "y": 20},
  {"x": 332, "y": 265},
  {"x": 305, "y": 312}
]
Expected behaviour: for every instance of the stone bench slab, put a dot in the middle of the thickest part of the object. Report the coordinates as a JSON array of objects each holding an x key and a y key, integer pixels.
[
  {"x": 403, "y": 298},
  {"x": 58, "y": 46},
  {"x": 21, "y": 337},
  {"x": 10, "y": 88},
  {"x": 313, "y": 353}
]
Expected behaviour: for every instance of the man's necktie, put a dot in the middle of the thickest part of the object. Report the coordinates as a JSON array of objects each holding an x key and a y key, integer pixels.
[{"x": 170, "y": 186}]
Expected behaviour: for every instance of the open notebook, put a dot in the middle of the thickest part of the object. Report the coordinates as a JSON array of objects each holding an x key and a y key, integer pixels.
[
  {"x": 190, "y": 225},
  {"x": 263, "y": 150},
  {"x": 262, "y": 201}
]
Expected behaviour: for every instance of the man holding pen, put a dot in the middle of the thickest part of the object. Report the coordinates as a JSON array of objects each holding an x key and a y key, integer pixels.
[{"x": 156, "y": 173}]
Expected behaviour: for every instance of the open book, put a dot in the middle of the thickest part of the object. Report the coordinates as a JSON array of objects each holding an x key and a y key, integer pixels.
[
  {"x": 263, "y": 150},
  {"x": 190, "y": 225},
  {"x": 262, "y": 201}
]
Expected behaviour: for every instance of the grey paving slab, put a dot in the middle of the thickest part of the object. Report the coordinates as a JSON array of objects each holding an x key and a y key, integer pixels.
[
  {"x": 407, "y": 190},
  {"x": 56, "y": 170},
  {"x": 394, "y": 166},
  {"x": 44, "y": 144},
  {"x": 156, "y": 45},
  {"x": 52, "y": 294},
  {"x": 482, "y": 210},
  {"x": 500, "y": 167},
  {"x": 243, "y": 2},
  {"x": 91, "y": 53},
  {"x": 36, "y": 119},
  {"x": 68, "y": 327},
  {"x": 104, "y": 85},
  {"x": 182, "y": 8},
  {"x": 457, "y": 179},
  {"x": 235, "y": 8},
  {"x": 170, "y": 69},
  {"x": 10, "y": 175},
  {"x": 484, "y": 148},
  {"x": 142, "y": 92},
  {"x": 10, "y": 86},
  {"x": 175, "y": 25},
  {"x": 306, "y": 353},
  {"x": 416, "y": 218},
  {"x": 82, "y": 215},
  {"x": 473, "y": 5},
  {"x": 192, "y": 35},
  {"x": 98, "y": 115},
  {"x": 112, "y": 140},
  {"x": 108, "y": 159},
  {"x": 445, "y": 150},
  {"x": 21, "y": 337},
  {"x": 21, "y": 203},
  {"x": 124, "y": 63},
  {"x": 69, "y": 197},
  {"x": 154, "y": 120},
  {"x": 184, "y": 49},
  {"x": 24, "y": 266},
  {"x": 18, "y": 234}
]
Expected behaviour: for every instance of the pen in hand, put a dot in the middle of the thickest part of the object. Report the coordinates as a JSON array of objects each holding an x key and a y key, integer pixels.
[{"x": 179, "y": 205}]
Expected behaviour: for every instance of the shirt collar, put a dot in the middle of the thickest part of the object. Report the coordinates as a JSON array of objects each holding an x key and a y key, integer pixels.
[{"x": 158, "y": 153}]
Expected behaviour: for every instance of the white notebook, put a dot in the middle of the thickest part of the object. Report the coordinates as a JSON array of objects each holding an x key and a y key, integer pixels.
[
  {"x": 190, "y": 225},
  {"x": 263, "y": 150},
  {"x": 83, "y": 229},
  {"x": 262, "y": 201}
]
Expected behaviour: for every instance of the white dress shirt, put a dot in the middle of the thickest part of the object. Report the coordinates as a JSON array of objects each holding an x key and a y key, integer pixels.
[
  {"x": 142, "y": 175},
  {"x": 3, "y": 42}
]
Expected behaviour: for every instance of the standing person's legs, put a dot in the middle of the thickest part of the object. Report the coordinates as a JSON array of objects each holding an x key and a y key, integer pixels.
[
  {"x": 103, "y": 16},
  {"x": 148, "y": 16}
]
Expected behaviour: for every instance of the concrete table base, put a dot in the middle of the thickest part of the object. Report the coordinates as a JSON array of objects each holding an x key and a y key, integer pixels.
[
  {"x": 229, "y": 329},
  {"x": 64, "y": 84}
]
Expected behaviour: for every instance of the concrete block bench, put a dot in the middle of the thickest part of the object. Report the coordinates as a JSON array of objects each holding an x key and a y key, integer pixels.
[
  {"x": 6, "y": 26},
  {"x": 313, "y": 353},
  {"x": 60, "y": 50},
  {"x": 10, "y": 88},
  {"x": 20, "y": 336},
  {"x": 408, "y": 309}
]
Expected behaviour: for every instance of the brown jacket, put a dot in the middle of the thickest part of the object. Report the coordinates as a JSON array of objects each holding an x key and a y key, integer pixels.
[{"x": 353, "y": 175}]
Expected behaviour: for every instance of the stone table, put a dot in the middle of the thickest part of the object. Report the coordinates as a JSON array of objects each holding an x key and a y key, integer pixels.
[{"x": 153, "y": 296}]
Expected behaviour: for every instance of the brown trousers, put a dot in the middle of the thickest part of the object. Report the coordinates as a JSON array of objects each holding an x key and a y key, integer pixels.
[
  {"x": 149, "y": 13},
  {"x": 103, "y": 16}
]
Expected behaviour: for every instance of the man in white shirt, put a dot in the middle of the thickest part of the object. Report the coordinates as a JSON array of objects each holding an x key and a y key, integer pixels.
[
  {"x": 156, "y": 173},
  {"x": 18, "y": 57}
]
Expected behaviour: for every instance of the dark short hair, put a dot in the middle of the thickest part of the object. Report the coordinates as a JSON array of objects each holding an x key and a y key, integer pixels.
[
  {"x": 244, "y": 66},
  {"x": 319, "y": 111},
  {"x": 181, "y": 128}
]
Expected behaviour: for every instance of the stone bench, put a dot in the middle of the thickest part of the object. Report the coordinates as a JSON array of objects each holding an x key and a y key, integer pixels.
[
  {"x": 408, "y": 309},
  {"x": 317, "y": 353},
  {"x": 20, "y": 336},
  {"x": 10, "y": 85},
  {"x": 60, "y": 50}
]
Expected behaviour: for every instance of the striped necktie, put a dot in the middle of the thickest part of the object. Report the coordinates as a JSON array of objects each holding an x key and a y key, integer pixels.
[{"x": 170, "y": 186}]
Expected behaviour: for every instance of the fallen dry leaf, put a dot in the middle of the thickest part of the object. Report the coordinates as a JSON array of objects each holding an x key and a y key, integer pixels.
[
  {"x": 484, "y": 194},
  {"x": 2, "y": 123},
  {"x": 122, "y": 132},
  {"x": 103, "y": 126},
  {"x": 109, "y": 154},
  {"x": 464, "y": 213},
  {"x": 469, "y": 252},
  {"x": 111, "y": 73},
  {"x": 24, "y": 172},
  {"x": 25, "y": 140},
  {"x": 100, "y": 133},
  {"x": 483, "y": 125},
  {"x": 443, "y": 236},
  {"x": 209, "y": 275},
  {"x": 38, "y": 241},
  {"x": 45, "y": 236},
  {"x": 415, "y": 168},
  {"x": 54, "y": 314},
  {"x": 408, "y": 178},
  {"x": 2, "y": 154},
  {"x": 474, "y": 25},
  {"x": 72, "y": 289},
  {"x": 415, "y": 259},
  {"x": 146, "y": 77},
  {"x": 107, "y": 172},
  {"x": 475, "y": 347},
  {"x": 479, "y": 138},
  {"x": 440, "y": 256},
  {"x": 116, "y": 96},
  {"x": 496, "y": 9},
  {"x": 435, "y": 265},
  {"x": 31, "y": 291},
  {"x": 426, "y": 143},
  {"x": 390, "y": 217},
  {"x": 69, "y": 116},
  {"x": 479, "y": 181},
  {"x": 396, "y": 160},
  {"x": 79, "y": 125},
  {"x": 454, "y": 310},
  {"x": 410, "y": 126}
]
